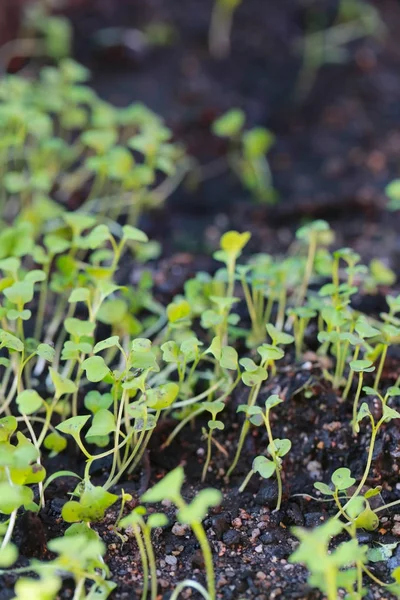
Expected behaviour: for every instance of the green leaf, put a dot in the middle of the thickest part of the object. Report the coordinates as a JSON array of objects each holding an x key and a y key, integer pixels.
[
  {"x": 73, "y": 425},
  {"x": 362, "y": 366},
  {"x": 94, "y": 401},
  {"x": 157, "y": 520},
  {"x": 99, "y": 140},
  {"x": 252, "y": 378},
  {"x": 323, "y": 488},
  {"x": 215, "y": 424},
  {"x": 79, "y": 295},
  {"x": 382, "y": 552},
  {"x": 46, "y": 352},
  {"x": 168, "y": 488},
  {"x": 382, "y": 274},
  {"x": 21, "y": 292},
  {"x": 230, "y": 124},
  {"x": 133, "y": 234},
  {"x": 13, "y": 497},
  {"x": 79, "y": 328},
  {"x": 8, "y": 425},
  {"x": 263, "y": 466},
  {"x": 278, "y": 337},
  {"x": 363, "y": 412},
  {"x": 142, "y": 355},
  {"x": 365, "y": 330},
  {"x": 171, "y": 352},
  {"x": 8, "y": 555},
  {"x": 45, "y": 588},
  {"x": 248, "y": 364},
  {"x": 55, "y": 442},
  {"x": 342, "y": 478},
  {"x": 272, "y": 401},
  {"x": 95, "y": 368},
  {"x": 108, "y": 343},
  {"x": 29, "y": 402},
  {"x": 103, "y": 423},
  {"x": 257, "y": 142},
  {"x": 389, "y": 413},
  {"x": 229, "y": 358},
  {"x": 163, "y": 396},
  {"x": 314, "y": 228},
  {"x": 269, "y": 352},
  {"x": 373, "y": 492},
  {"x": 367, "y": 519},
  {"x": 281, "y": 447},
  {"x": 92, "y": 505},
  {"x": 62, "y": 385},
  {"x": 233, "y": 242},
  {"x": 197, "y": 510},
  {"x": 178, "y": 311}
]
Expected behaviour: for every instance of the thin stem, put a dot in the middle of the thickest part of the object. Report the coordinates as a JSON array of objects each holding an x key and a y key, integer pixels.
[
  {"x": 10, "y": 529},
  {"x": 208, "y": 458},
  {"x": 152, "y": 561},
  {"x": 143, "y": 557},
  {"x": 380, "y": 368},
  {"x": 193, "y": 584},
  {"x": 246, "y": 480},
  {"x": 309, "y": 269},
  {"x": 201, "y": 536},
  {"x": 354, "y": 423},
  {"x": 351, "y": 375},
  {"x": 274, "y": 458}
]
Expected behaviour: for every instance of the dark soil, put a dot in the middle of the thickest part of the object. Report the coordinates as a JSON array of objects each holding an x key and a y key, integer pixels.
[{"x": 334, "y": 154}]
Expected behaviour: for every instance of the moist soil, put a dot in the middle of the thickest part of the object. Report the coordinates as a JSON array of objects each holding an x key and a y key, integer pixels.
[{"x": 335, "y": 151}]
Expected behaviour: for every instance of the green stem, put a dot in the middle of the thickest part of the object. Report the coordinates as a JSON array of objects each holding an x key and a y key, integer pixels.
[
  {"x": 309, "y": 269},
  {"x": 246, "y": 480},
  {"x": 380, "y": 368},
  {"x": 152, "y": 561},
  {"x": 201, "y": 536},
  {"x": 354, "y": 423},
  {"x": 143, "y": 558},
  {"x": 274, "y": 458},
  {"x": 208, "y": 458},
  {"x": 367, "y": 467},
  {"x": 351, "y": 375}
]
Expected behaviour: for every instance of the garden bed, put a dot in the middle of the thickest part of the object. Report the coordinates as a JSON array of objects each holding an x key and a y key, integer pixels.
[{"x": 335, "y": 152}]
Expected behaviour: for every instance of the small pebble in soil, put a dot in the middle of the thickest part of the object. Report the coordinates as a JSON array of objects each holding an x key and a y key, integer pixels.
[
  {"x": 315, "y": 469},
  {"x": 267, "y": 495},
  {"x": 396, "y": 528},
  {"x": 179, "y": 530},
  {"x": 232, "y": 537},
  {"x": 313, "y": 519},
  {"x": 220, "y": 524}
]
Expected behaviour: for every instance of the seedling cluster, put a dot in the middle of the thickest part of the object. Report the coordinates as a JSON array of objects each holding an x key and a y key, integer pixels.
[{"x": 91, "y": 365}]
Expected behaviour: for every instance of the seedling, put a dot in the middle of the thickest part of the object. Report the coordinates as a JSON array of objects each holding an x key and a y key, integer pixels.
[
  {"x": 247, "y": 150},
  {"x": 220, "y": 27},
  {"x": 277, "y": 448},
  {"x": 192, "y": 514},
  {"x": 142, "y": 531}
]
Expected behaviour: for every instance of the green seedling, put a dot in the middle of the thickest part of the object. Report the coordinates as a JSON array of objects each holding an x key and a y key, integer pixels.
[
  {"x": 141, "y": 529},
  {"x": 277, "y": 448},
  {"x": 169, "y": 488},
  {"x": 314, "y": 235},
  {"x": 329, "y": 570},
  {"x": 213, "y": 425},
  {"x": 220, "y": 27},
  {"x": 360, "y": 367},
  {"x": 247, "y": 151}
]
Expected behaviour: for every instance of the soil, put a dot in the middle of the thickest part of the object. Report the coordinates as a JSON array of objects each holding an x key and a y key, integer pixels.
[{"x": 333, "y": 156}]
